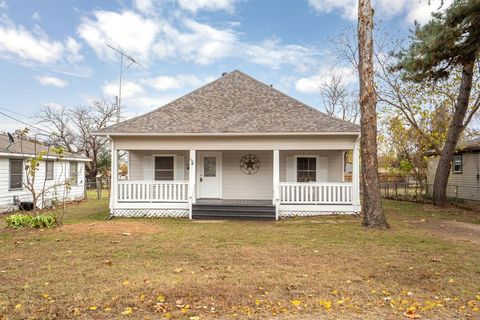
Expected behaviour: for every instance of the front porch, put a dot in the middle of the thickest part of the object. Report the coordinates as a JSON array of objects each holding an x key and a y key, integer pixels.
[{"x": 268, "y": 184}]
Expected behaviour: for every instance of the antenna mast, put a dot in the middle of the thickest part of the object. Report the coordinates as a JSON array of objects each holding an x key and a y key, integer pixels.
[{"x": 132, "y": 61}]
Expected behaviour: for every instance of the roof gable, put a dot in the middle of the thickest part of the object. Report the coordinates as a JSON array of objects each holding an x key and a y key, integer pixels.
[{"x": 234, "y": 103}]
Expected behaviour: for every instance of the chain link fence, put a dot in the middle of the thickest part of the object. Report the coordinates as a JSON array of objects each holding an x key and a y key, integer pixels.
[
  {"x": 467, "y": 195},
  {"x": 98, "y": 190}
]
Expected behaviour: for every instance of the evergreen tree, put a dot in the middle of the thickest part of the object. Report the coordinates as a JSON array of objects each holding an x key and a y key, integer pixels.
[{"x": 449, "y": 41}]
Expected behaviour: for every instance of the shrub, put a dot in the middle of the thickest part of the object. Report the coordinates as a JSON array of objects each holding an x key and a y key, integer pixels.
[{"x": 24, "y": 220}]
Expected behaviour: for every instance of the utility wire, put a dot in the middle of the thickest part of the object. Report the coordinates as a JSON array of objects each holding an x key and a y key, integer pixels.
[{"x": 23, "y": 122}]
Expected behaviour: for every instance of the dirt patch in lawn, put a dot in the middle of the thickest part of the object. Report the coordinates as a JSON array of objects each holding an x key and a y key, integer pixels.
[
  {"x": 112, "y": 228},
  {"x": 451, "y": 229}
]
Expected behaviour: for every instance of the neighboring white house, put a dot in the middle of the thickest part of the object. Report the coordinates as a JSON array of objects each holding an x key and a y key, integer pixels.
[
  {"x": 234, "y": 148},
  {"x": 51, "y": 174},
  {"x": 464, "y": 179}
]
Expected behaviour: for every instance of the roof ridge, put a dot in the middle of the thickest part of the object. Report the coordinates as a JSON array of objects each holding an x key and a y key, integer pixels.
[{"x": 303, "y": 104}]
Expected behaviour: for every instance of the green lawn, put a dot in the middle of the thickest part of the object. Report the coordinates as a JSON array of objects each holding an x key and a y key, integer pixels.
[{"x": 309, "y": 268}]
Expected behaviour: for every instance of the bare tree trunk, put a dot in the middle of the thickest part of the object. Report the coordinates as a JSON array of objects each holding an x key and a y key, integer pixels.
[
  {"x": 453, "y": 135},
  {"x": 373, "y": 215}
]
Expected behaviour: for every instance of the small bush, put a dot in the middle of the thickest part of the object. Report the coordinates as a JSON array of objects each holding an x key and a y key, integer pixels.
[{"x": 24, "y": 220}]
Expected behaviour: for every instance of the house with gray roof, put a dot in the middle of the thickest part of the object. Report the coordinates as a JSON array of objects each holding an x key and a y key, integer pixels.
[
  {"x": 50, "y": 177},
  {"x": 464, "y": 178},
  {"x": 237, "y": 148}
]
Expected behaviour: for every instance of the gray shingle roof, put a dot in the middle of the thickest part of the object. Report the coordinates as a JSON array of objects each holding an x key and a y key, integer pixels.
[
  {"x": 26, "y": 148},
  {"x": 234, "y": 103}
]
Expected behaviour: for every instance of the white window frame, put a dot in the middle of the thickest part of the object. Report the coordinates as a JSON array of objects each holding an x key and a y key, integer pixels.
[
  {"x": 166, "y": 156},
  {"x": 296, "y": 165},
  {"x": 10, "y": 174},
  {"x": 76, "y": 173},
  {"x": 53, "y": 170},
  {"x": 461, "y": 163}
]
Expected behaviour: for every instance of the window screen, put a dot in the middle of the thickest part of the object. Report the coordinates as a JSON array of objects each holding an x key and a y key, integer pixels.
[
  {"x": 49, "y": 167},
  {"x": 73, "y": 173},
  {"x": 164, "y": 168},
  {"x": 16, "y": 173},
  {"x": 457, "y": 163}
]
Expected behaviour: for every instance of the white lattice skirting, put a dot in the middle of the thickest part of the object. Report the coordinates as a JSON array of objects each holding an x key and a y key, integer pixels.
[
  {"x": 288, "y": 214},
  {"x": 151, "y": 213}
]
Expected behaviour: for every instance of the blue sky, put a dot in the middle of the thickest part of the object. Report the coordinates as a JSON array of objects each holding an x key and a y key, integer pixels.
[{"x": 53, "y": 52}]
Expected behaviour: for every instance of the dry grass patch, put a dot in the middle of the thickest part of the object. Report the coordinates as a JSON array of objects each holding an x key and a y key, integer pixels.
[{"x": 314, "y": 268}]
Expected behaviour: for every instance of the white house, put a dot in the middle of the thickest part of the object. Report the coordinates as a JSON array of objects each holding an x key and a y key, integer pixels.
[
  {"x": 50, "y": 176},
  {"x": 234, "y": 148}
]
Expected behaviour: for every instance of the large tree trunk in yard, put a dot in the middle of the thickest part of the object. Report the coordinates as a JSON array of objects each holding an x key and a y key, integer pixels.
[
  {"x": 453, "y": 134},
  {"x": 373, "y": 215}
]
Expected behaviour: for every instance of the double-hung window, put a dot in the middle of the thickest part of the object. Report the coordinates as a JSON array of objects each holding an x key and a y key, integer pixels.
[
  {"x": 49, "y": 169},
  {"x": 164, "y": 167},
  {"x": 16, "y": 174},
  {"x": 457, "y": 165},
  {"x": 73, "y": 174},
  {"x": 306, "y": 169}
]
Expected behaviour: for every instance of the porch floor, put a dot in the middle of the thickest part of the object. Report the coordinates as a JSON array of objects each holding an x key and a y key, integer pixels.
[{"x": 234, "y": 202}]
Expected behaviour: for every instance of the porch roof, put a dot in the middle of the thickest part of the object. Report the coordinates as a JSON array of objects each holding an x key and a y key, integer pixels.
[{"x": 233, "y": 104}]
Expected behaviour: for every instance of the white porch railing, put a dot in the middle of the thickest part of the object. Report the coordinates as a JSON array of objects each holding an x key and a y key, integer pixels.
[
  {"x": 316, "y": 192},
  {"x": 152, "y": 191}
]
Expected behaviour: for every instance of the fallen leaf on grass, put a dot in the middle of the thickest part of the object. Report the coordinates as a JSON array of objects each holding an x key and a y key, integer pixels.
[
  {"x": 127, "y": 311},
  {"x": 126, "y": 282},
  {"x": 93, "y": 308},
  {"x": 126, "y": 234},
  {"x": 108, "y": 262},
  {"x": 161, "y": 298},
  {"x": 411, "y": 315},
  {"x": 296, "y": 302},
  {"x": 178, "y": 270},
  {"x": 18, "y": 306},
  {"x": 326, "y": 304}
]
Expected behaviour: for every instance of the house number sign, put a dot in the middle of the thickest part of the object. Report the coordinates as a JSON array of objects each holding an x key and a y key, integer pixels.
[{"x": 249, "y": 164}]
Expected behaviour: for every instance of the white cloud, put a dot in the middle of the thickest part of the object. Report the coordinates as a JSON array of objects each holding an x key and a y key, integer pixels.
[
  {"x": 347, "y": 8},
  {"x": 274, "y": 54},
  {"x": 210, "y": 5},
  {"x": 129, "y": 89},
  {"x": 187, "y": 40},
  {"x": 73, "y": 50},
  {"x": 20, "y": 45},
  {"x": 312, "y": 84},
  {"x": 52, "y": 81},
  {"x": 164, "y": 83},
  {"x": 422, "y": 11},
  {"x": 200, "y": 43},
  {"x": 144, "y": 6},
  {"x": 17, "y": 41},
  {"x": 414, "y": 10},
  {"x": 128, "y": 30},
  {"x": 3, "y": 4}
]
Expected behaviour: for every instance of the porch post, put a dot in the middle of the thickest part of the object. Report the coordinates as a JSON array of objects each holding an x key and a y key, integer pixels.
[
  {"x": 276, "y": 181},
  {"x": 113, "y": 178},
  {"x": 192, "y": 165},
  {"x": 356, "y": 176}
]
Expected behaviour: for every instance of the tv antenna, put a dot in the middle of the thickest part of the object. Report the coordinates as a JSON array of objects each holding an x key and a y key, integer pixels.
[{"x": 132, "y": 61}]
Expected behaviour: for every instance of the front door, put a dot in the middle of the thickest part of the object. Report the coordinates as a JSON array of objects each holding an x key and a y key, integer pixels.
[{"x": 209, "y": 180}]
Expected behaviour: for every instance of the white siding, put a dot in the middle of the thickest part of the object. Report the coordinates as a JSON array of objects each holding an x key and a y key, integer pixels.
[
  {"x": 136, "y": 164},
  {"x": 238, "y": 185},
  {"x": 285, "y": 142},
  {"x": 466, "y": 183},
  {"x": 61, "y": 169},
  {"x": 334, "y": 162}
]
